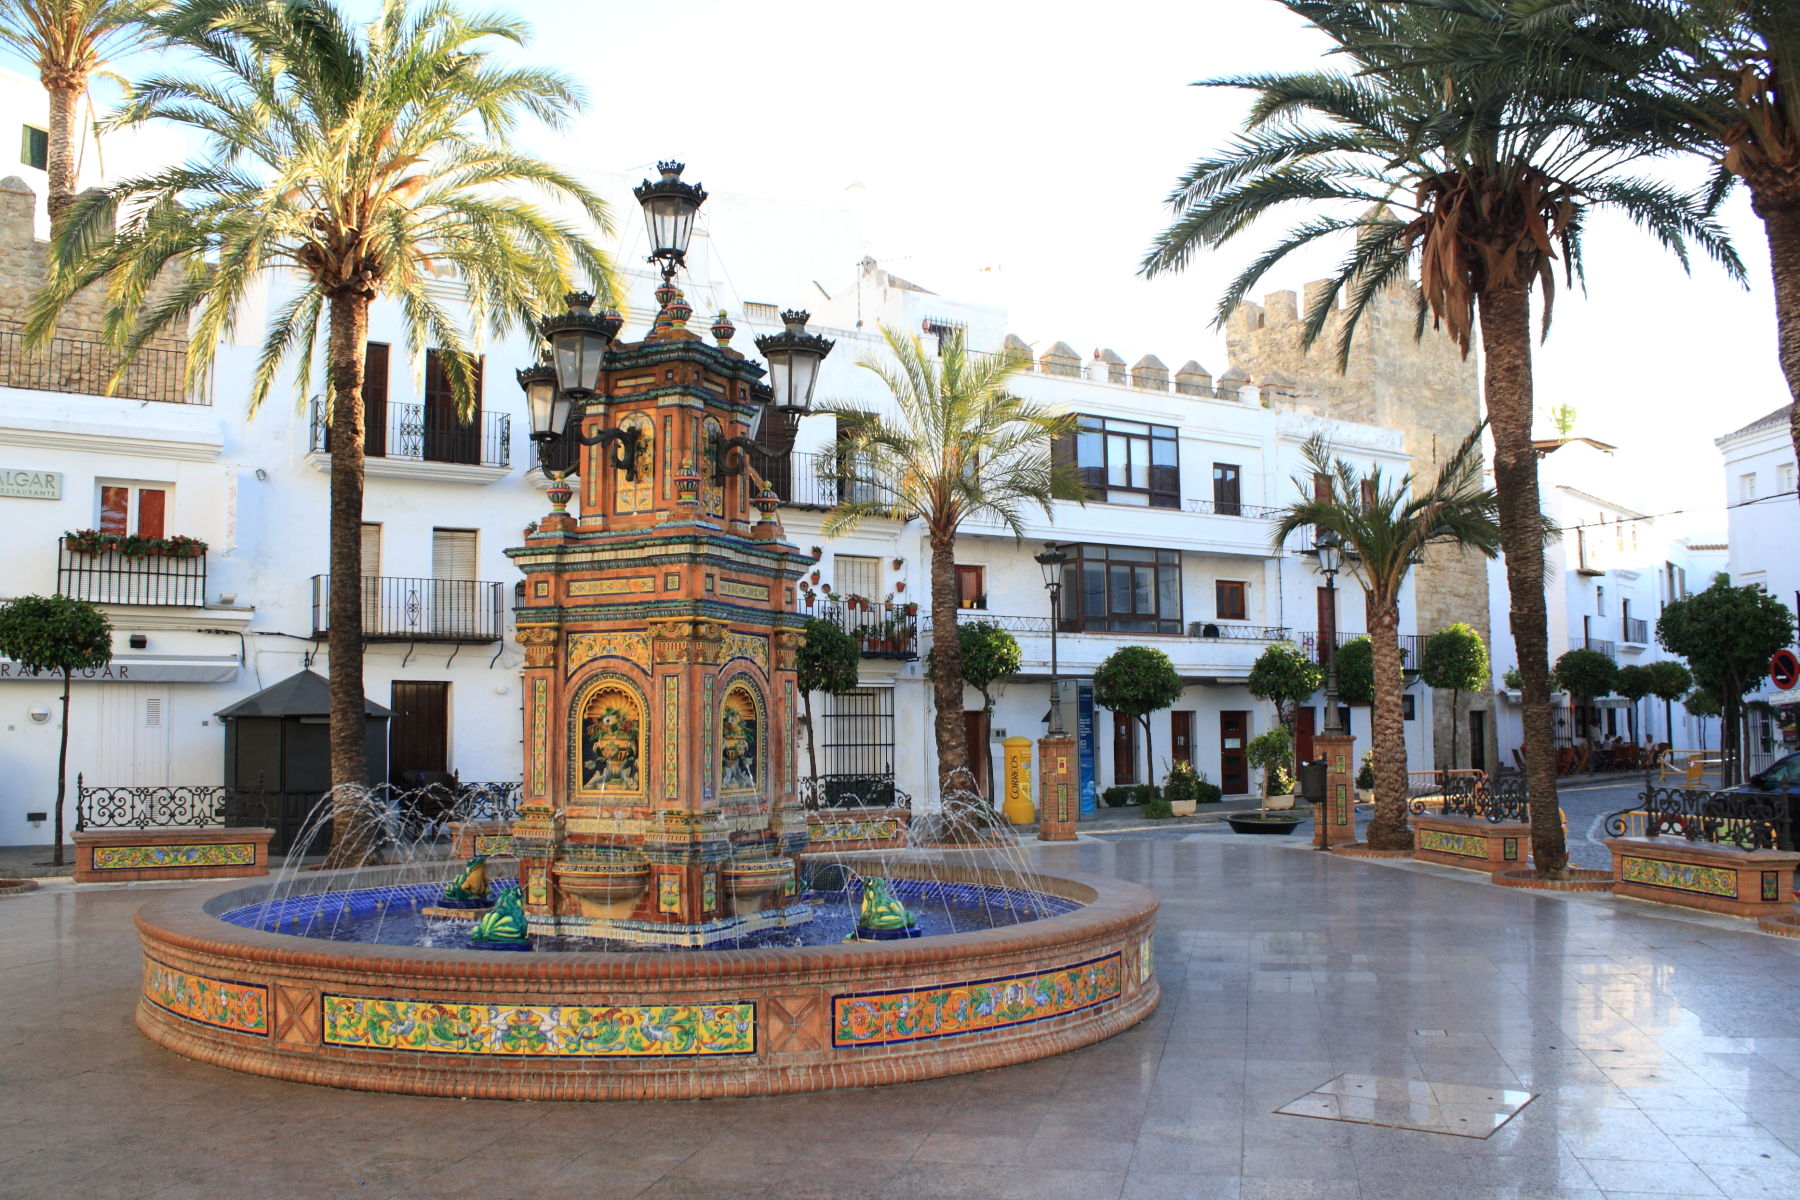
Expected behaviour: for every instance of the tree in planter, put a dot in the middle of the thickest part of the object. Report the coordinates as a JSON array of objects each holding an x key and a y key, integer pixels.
[
  {"x": 60, "y": 634},
  {"x": 1455, "y": 658},
  {"x": 960, "y": 447},
  {"x": 338, "y": 163},
  {"x": 1669, "y": 682},
  {"x": 989, "y": 654},
  {"x": 1273, "y": 751},
  {"x": 1727, "y": 634},
  {"x": 1451, "y": 143},
  {"x": 1136, "y": 681},
  {"x": 827, "y": 662},
  {"x": 1587, "y": 675},
  {"x": 1634, "y": 683},
  {"x": 1286, "y": 677}
]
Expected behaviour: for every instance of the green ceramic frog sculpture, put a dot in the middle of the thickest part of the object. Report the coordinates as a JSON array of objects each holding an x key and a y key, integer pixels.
[
  {"x": 471, "y": 882},
  {"x": 503, "y": 926},
  {"x": 883, "y": 916}
]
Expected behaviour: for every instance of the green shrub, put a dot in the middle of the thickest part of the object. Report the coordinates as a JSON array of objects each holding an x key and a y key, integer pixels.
[
  {"x": 1365, "y": 778},
  {"x": 1157, "y": 806},
  {"x": 1207, "y": 793},
  {"x": 1118, "y": 797},
  {"x": 1145, "y": 793},
  {"x": 1181, "y": 783}
]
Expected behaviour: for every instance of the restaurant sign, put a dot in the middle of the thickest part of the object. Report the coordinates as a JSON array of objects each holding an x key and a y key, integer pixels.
[{"x": 30, "y": 485}]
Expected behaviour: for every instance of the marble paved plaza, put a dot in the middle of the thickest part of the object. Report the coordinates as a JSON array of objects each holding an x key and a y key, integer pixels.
[{"x": 1661, "y": 1055}]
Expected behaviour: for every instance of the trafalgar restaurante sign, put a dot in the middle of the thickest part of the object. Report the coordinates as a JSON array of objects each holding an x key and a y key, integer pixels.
[
  {"x": 124, "y": 670},
  {"x": 23, "y": 484}
]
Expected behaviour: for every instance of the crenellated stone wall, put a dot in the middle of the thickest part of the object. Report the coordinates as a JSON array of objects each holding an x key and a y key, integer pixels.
[{"x": 1423, "y": 387}]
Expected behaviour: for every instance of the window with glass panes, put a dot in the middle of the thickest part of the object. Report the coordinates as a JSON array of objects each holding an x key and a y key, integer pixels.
[
  {"x": 1122, "y": 589},
  {"x": 1125, "y": 462}
]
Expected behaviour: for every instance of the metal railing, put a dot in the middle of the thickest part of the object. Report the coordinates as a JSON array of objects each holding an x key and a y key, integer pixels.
[
  {"x": 78, "y": 361},
  {"x": 1473, "y": 794},
  {"x": 177, "y": 806},
  {"x": 881, "y": 630},
  {"x": 853, "y": 791},
  {"x": 410, "y": 432},
  {"x": 1748, "y": 820},
  {"x": 114, "y": 578},
  {"x": 1229, "y": 508},
  {"x": 1012, "y": 624},
  {"x": 1222, "y": 631},
  {"x": 1608, "y": 648},
  {"x": 1412, "y": 646},
  {"x": 396, "y": 608},
  {"x": 1637, "y": 630}
]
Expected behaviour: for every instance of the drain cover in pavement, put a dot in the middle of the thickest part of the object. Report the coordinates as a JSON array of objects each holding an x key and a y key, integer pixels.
[{"x": 1460, "y": 1109}]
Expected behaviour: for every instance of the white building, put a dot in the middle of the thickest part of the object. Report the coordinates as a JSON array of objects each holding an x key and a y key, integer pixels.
[
  {"x": 1611, "y": 572},
  {"x": 1762, "y": 513}
]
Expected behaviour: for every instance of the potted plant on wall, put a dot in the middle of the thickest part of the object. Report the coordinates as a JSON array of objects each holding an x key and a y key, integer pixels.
[{"x": 1274, "y": 753}]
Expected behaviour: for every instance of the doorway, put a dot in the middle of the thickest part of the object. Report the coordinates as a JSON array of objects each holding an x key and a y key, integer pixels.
[
  {"x": 1477, "y": 740},
  {"x": 1181, "y": 736},
  {"x": 419, "y": 734},
  {"x": 975, "y": 729},
  {"x": 1124, "y": 748},
  {"x": 1234, "y": 765},
  {"x": 1305, "y": 722}
]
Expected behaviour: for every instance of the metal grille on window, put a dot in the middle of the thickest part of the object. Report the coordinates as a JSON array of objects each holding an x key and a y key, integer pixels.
[{"x": 858, "y": 743}]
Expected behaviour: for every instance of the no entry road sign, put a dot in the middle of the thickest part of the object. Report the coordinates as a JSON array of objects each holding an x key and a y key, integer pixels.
[{"x": 1784, "y": 670}]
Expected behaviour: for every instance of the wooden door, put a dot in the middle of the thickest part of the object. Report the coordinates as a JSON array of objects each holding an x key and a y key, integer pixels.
[
  {"x": 975, "y": 728},
  {"x": 1305, "y": 721},
  {"x": 1234, "y": 765},
  {"x": 419, "y": 734},
  {"x": 1124, "y": 749},
  {"x": 447, "y": 437},
  {"x": 1477, "y": 741},
  {"x": 1181, "y": 736}
]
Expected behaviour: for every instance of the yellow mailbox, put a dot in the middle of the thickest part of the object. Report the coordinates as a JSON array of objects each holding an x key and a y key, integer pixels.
[{"x": 1017, "y": 802}]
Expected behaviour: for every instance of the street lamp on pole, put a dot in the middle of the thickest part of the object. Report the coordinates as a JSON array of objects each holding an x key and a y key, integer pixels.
[
  {"x": 1051, "y": 561},
  {"x": 1330, "y": 549}
]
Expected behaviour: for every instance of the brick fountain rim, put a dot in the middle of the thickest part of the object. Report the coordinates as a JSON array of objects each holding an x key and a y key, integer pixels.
[{"x": 793, "y": 993}]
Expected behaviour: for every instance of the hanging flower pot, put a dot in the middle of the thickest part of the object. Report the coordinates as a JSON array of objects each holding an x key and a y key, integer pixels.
[{"x": 900, "y": 585}]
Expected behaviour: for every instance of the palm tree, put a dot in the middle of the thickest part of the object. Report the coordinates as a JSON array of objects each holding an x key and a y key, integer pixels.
[
  {"x": 1727, "y": 88},
  {"x": 1384, "y": 528},
  {"x": 1480, "y": 176},
  {"x": 347, "y": 164},
  {"x": 70, "y": 41},
  {"x": 960, "y": 448}
]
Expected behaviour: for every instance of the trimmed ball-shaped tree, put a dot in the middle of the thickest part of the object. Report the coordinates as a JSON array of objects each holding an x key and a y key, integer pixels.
[
  {"x": 1587, "y": 675},
  {"x": 1634, "y": 683},
  {"x": 1727, "y": 634},
  {"x": 1137, "y": 681},
  {"x": 1455, "y": 660},
  {"x": 828, "y": 662},
  {"x": 1284, "y": 675},
  {"x": 989, "y": 654},
  {"x": 1669, "y": 682},
  {"x": 61, "y": 635}
]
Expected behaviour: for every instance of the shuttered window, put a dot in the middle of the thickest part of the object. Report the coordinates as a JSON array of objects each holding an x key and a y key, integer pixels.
[
  {"x": 453, "y": 553},
  {"x": 857, "y": 576},
  {"x": 371, "y": 550}
]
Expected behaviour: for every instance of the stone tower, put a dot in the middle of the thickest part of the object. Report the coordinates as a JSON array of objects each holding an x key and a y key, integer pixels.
[
  {"x": 1423, "y": 387},
  {"x": 660, "y": 634}
]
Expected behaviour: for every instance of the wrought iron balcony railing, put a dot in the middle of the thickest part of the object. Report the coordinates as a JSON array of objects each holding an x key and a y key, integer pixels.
[
  {"x": 398, "y": 609},
  {"x": 409, "y": 432},
  {"x": 1608, "y": 648},
  {"x": 1637, "y": 631},
  {"x": 1229, "y": 508},
  {"x": 881, "y": 630},
  {"x": 110, "y": 577},
  {"x": 77, "y": 361},
  {"x": 1412, "y": 647}
]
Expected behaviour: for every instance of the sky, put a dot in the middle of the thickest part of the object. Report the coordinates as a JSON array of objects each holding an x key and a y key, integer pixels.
[{"x": 1018, "y": 155}]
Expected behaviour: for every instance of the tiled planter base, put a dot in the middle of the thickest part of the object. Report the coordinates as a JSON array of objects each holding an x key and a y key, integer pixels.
[
  {"x": 124, "y": 855},
  {"x": 834, "y": 829},
  {"x": 554, "y": 1026},
  {"x": 1575, "y": 879},
  {"x": 1470, "y": 842},
  {"x": 1722, "y": 879},
  {"x": 9, "y": 887},
  {"x": 469, "y": 838},
  {"x": 1786, "y": 925},
  {"x": 1364, "y": 850}
]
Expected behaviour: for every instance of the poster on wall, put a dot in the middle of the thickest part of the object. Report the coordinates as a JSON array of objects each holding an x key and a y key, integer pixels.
[{"x": 1084, "y": 748}]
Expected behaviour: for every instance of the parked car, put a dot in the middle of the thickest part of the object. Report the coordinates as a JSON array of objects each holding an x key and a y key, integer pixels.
[{"x": 1780, "y": 776}]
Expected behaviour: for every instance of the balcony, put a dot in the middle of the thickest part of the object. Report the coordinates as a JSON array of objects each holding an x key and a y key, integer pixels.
[
  {"x": 410, "y": 441},
  {"x": 1225, "y": 631},
  {"x": 109, "y": 577},
  {"x": 78, "y": 361},
  {"x": 398, "y": 609},
  {"x": 1412, "y": 647},
  {"x": 1610, "y": 649},
  {"x": 880, "y": 630},
  {"x": 1637, "y": 632},
  {"x": 1590, "y": 556},
  {"x": 1230, "y": 508}
]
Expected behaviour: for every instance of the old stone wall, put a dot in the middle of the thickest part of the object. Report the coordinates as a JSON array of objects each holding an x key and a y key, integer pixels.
[
  {"x": 1423, "y": 387},
  {"x": 75, "y": 361}
]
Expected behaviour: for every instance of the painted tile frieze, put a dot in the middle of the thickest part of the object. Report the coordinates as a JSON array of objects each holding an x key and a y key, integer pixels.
[
  {"x": 547, "y": 1031},
  {"x": 239, "y": 1007},
  {"x": 1680, "y": 877},
  {"x": 634, "y": 647},
  {"x": 853, "y": 831},
  {"x": 145, "y": 858},
  {"x": 883, "y": 1018}
]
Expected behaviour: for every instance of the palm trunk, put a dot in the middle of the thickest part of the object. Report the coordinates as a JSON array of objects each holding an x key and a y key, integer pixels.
[
  {"x": 1388, "y": 830},
  {"x": 947, "y": 675},
  {"x": 62, "y": 772},
  {"x": 65, "y": 105},
  {"x": 1505, "y": 314},
  {"x": 353, "y": 831},
  {"x": 1781, "y": 221},
  {"x": 1149, "y": 758}
]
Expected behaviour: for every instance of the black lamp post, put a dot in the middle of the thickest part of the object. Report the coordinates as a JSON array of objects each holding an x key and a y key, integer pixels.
[
  {"x": 1051, "y": 561},
  {"x": 1330, "y": 549},
  {"x": 794, "y": 357},
  {"x": 569, "y": 376},
  {"x": 669, "y": 207}
]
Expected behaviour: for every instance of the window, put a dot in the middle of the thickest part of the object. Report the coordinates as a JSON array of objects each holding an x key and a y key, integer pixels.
[
  {"x": 1600, "y": 601},
  {"x": 375, "y": 399},
  {"x": 455, "y": 594},
  {"x": 1784, "y": 478},
  {"x": 1227, "y": 499},
  {"x": 34, "y": 147},
  {"x": 1121, "y": 589},
  {"x": 1409, "y": 709},
  {"x": 130, "y": 508},
  {"x": 856, "y": 575},
  {"x": 762, "y": 314},
  {"x": 971, "y": 586},
  {"x": 1747, "y": 486},
  {"x": 1228, "y": 599},
  {"x": 857, "y": 740},
  {"x": 1125, "y": 462},
  {"x": 1368, "y": 494}
]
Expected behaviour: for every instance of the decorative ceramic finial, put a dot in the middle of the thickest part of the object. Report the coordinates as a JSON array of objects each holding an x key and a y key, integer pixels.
[{"x": 722, "y": 329}]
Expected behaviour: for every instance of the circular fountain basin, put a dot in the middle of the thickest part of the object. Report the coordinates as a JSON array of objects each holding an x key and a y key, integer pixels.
[{"x": 635, "y": 1025}]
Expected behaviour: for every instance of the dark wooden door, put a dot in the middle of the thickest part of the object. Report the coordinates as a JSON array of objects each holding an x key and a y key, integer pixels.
[
  {"x": 1304, "y": 722},
  {"x": 447, "y": 437},
  {"x": 1234, "y": 766},
  {"x": 1181, "y": 736},
  {"x": 419, "y": 734},
  {"x": 1124, "y": 749},
  {"x": 975, "y": 728},
  {"x": 1477, "y": 741}
]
